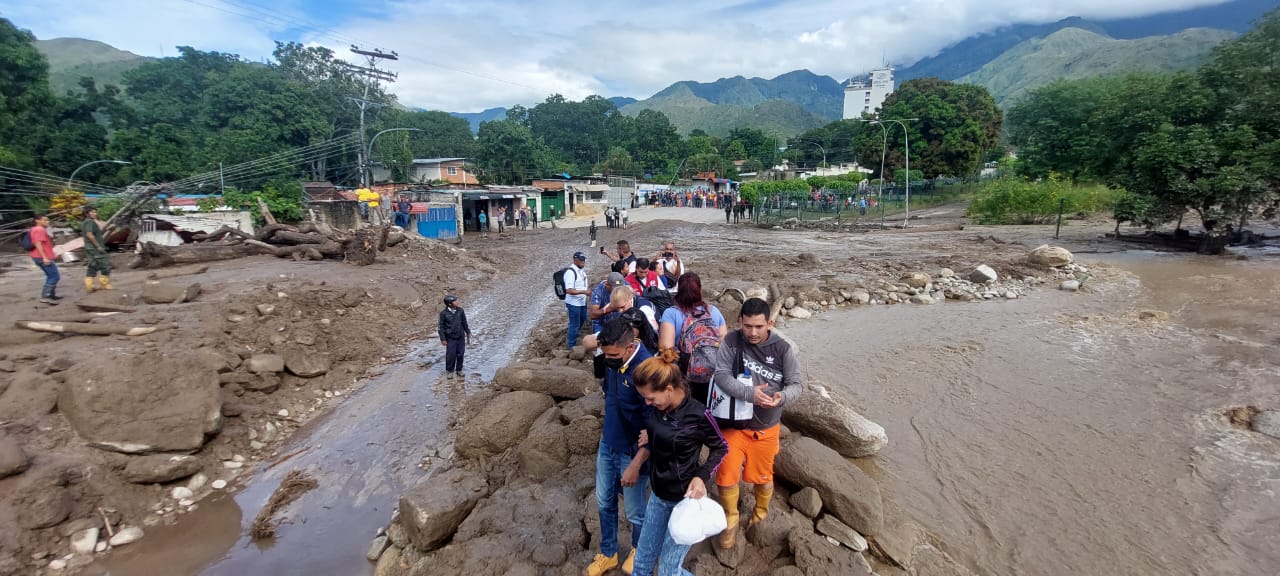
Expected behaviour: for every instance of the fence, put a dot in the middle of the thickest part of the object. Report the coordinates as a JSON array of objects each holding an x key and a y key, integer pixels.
[{"x": 804, "y": 206}]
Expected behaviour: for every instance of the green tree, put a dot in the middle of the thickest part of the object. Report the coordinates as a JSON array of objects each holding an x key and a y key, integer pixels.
[
  {"x": 507, "y": 153},
  {"x": 618, "y": 162},
  {"x": 1051, "y": 127},
  {"x": 955, "y": 125}
]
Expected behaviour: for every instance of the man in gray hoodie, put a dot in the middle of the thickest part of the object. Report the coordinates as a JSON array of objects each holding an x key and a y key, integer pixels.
[{"x": 776, "y": 380}]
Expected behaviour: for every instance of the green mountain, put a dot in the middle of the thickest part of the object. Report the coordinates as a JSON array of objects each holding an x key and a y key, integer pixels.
[
  {"x": 789, "y": 104},
  {"x": 71, "y": 58},
  {"x": 1079, "y": 53}
]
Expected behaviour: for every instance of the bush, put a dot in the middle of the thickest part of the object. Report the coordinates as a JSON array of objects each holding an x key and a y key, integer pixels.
[
  {"x": 1131, "y": 207},
  {"x": 1013, "y": 200},
  {"x": 283, "y": 198}
]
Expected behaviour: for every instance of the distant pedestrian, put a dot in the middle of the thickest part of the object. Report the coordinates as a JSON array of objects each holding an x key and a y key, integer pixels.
[
  {"x": 484, "y": 222},
  {"x": 728, "y": 211},
  {"x": 534, "y": 217},
  {"x": 592, "y": 232},
  {"x": 98, "y": 263},
  {"x": 862, "y": 206},
  {"x": 524, "y": 218},
  {"x": 502, "y": 218},
  {"x": 43, "y": 255},
  {"x": 624, "y": 218},
  {"x": 454, "y": 334}
]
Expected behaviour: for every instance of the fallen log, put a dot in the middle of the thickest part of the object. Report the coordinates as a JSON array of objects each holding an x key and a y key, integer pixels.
[
  {"x": 87, "y": 329},
  {"x": 362, "y": 249},
  {"x": 313, "y": 251},
  {"x": 84, "y": 317},
  {"x": 153, "y": 255},
  {"x": 268, "y": 231},
  {"x": 103, "y": 307},
  {"x": 287, "y": 237},
  {"x": 220, "y": 234},
  {"x": 266, "y": 212}
]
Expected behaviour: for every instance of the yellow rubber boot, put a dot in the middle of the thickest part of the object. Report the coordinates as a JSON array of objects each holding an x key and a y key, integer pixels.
[
  {"x": 764, "y": 493},
  {"x": 729, "y": 500},
  {"x": 601, "y": 565},
  {"x": 88, "y": 285},
  {"x": 105, "y": 282}
]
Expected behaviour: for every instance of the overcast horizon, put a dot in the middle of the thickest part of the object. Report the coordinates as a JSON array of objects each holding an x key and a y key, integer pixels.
[{"x": 465, "y": 56}]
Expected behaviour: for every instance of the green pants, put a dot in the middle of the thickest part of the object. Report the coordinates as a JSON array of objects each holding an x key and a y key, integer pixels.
[{"x": 98, "y": 263}]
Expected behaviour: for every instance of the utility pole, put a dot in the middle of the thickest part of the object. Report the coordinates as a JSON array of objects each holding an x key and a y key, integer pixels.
[{"x": 372, "y": 76}]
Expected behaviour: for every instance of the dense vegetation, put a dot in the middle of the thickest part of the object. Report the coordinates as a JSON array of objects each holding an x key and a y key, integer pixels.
[{"x": 1206, "y": 142}]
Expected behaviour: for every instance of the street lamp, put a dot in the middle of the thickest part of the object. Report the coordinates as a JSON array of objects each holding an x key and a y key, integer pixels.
[
  {"x": 77, "y": 170},
  {"x": 906, "y": 202},
  {"x": 884, "y": 147},
  {"x": 368, "y": 156},
  {"x": 815, "y": 143}
]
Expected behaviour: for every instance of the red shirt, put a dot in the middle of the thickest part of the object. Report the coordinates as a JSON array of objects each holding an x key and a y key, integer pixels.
[{"x": 43, "y": 245}]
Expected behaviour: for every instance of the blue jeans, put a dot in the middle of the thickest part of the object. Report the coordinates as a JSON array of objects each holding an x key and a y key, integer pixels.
[
  {"x": 609, "y": 467},
  {"x": 577, "y": 317},
  {"x": 656, "y": 544},
  {"x": 51, "y": 277}
]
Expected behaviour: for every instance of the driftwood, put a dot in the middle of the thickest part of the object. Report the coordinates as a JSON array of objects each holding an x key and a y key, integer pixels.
[
  {"x": 286, "y": 237},
  {"x": 153, "y": 255},
  {"x": 86, "y": 329},
  {"x": 176, "y": 273},
  {"x": 103, "y": 307},
  {"x": 220, "y": 234},
  {"x": 294, "y": 485},
  {"x": 313, "y": 251},
  {"x": 84, "y": 317},
  {"x": 266, "y": 212}
]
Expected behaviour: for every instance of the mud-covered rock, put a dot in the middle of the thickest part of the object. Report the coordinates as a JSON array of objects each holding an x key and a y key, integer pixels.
[
  {"x": 819, "y": 414},
  {"x": 590, "y": 405},
  {"x": 1050, "y": 256},
  {"x": 549, "y": 444},
  {"x": 157, "y": 292},
  {"x": 555, "y": 381},
  {"x": 916, "y": 279},
  {"x": 815, "y": 556},
  {"x": 829, "y": 526},
  {"x": 265, "y": 363},
  {"x": 501, "y": 424},
  {"x": 306, "y": 364},
  {"x": 431, "y": 512},
  {"x": 847, "y": 492},
  {"x": 13, "y": 460},
  {"x": 158, "y": 468},
  {"x": 30, "y": 395},
  {"x": 807, "y": 501},
  {"x": 143, "y": 403},
  {"x": 42, "y": 503},
  {"x": 1264, "y": 422}
]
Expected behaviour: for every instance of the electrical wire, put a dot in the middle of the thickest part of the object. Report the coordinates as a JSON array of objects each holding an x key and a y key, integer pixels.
[{"x": 287, "y": 156}]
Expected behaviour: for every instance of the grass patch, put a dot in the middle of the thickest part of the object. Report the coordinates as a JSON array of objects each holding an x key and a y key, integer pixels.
[{"x": 1013, "y": 200}]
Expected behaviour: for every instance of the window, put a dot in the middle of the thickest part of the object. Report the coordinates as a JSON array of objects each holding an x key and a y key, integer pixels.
[{"x": 453, "y": 170}]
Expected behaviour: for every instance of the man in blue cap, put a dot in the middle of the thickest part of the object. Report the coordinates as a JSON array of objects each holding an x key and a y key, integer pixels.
[{"x": 575, "y": 300}]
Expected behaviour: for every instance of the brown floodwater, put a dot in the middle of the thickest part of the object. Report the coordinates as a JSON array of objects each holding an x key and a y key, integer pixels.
[{"x": 1060, "y": 434}]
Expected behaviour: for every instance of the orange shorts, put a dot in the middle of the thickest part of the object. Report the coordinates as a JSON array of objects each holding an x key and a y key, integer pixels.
[{"x": 750, "y": 457}]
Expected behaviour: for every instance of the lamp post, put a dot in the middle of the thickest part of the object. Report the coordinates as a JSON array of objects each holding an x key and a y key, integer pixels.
[
  {"x": 906, "y": 202},
  {"x": 369, "y": 153},
  {"x": 884, "y": 147},
  {"x": 77, "y": 170},
  {"x": 815, "y": 143}
]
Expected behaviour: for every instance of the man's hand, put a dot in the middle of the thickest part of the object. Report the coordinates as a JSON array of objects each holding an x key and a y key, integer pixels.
[
  {"x": 444, "y": 342},
  {"x": 48, "y": 262},
  {"x": 644, "y": 439},
  {"x": 697, "y": 489},
  {"x": 761, "y": 398},
  {"x": 631, "y": 475}
]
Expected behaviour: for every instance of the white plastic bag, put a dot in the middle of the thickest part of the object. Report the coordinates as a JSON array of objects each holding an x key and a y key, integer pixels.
[{"x": 694, "y": 520}]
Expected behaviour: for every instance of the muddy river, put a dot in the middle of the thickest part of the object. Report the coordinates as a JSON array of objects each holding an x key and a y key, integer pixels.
[{"x": 1053, "y": 434}]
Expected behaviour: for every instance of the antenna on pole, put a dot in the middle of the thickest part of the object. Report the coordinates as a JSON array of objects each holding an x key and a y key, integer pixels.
[{"x": 372, "y": 76}]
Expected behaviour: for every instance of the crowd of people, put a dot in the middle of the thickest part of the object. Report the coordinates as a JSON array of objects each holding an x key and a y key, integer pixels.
[
  {"x": 675, "y": 380},
  {"x": 692, "y": 198}
]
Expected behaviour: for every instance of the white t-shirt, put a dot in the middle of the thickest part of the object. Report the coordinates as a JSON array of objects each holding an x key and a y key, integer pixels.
[{"x": 575, "y": 278}]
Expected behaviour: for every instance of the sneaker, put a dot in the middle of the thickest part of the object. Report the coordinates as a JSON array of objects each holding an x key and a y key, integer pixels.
[
  {"x": 601, "y": 565},
  {"x": 49, "y": 301},
  {"x": 460, "y": 375},
  {"x": 56, "y": 297},
  {"x": 629, "y": 565},
  {"x": 450, "y": 375}
]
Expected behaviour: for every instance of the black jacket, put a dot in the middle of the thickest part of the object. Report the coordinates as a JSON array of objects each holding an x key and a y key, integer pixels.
[
  {"x": 453, "y": 324},
  {"x": 676, "y": 439}
]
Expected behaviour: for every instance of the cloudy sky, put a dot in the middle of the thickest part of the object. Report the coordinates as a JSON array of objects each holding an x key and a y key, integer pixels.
[{"x": 467, "y": 55}]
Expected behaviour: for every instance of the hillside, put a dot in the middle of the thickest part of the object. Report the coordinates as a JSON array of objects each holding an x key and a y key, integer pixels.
[
  {"x": 1078, "y": 53},
  {"x": 789, "y": 104},
  {"x": 820, "y": 95},
  {"x": 71, "y": 58}
]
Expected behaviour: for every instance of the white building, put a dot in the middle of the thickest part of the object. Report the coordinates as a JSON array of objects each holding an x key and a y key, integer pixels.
[{"x": 863, "y": 97}]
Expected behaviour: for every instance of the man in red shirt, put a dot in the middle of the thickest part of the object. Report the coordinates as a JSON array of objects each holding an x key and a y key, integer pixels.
[{"x": 43, "y": 256}]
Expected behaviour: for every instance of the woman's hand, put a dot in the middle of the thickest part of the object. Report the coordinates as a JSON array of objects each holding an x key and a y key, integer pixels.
[
  {"x": 631, "y": 475},
  {"x": 697, "y": 489}
]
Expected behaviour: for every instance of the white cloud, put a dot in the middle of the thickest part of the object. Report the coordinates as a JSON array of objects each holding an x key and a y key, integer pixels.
[{"x": 469, "y": 55}]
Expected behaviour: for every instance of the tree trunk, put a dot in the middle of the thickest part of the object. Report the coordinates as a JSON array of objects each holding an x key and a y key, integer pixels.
[
  {"x": 1215, "y": 240},
  {"x": 286, "y": 237},
  {"x": 155, "y": 256},
  {"x": 362, "y": 249}
]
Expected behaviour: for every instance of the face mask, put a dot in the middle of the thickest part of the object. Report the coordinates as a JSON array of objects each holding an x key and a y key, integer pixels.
[{"x": 615, "y": 363}]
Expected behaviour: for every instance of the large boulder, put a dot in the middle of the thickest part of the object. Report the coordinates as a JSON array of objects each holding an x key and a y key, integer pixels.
[
  {"x": 30, "y": 395},
  {"x": 1050, "y": 256},
  {"x": 499, "y": 535},
  {"x": 501, "y": 424},
  {"x": 847, "y": 492},
  {"x": 432, "y": 511},
  {"x": 983, "y": 274},
  {"x": 916, "y": 280},
  {"x": 158, "y": 468},
  {"x": 815, "y": 556},
  {"x": 818, "y": 414},
  {"x": 149, "y": 402},
  {"x": 549, "y": 444},
  {"x": 13, "y": 460},
  {"x": 556, "y": 381},
  {"x": 157, "y": 292},
  {"x": 306, "y": 364}
]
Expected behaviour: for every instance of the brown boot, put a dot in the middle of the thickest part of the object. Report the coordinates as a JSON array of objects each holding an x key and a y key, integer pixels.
[
  {"x": 105, "y": 282},
  {"x": 764, "y": 493},
  {"x": 729, "y": 500},
  {"x": 88, "y": 285}
]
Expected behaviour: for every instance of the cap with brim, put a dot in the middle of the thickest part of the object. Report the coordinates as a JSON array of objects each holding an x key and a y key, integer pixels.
[
  {"x": 579, "y": 256},
  {"x": 615, "y": 279}
]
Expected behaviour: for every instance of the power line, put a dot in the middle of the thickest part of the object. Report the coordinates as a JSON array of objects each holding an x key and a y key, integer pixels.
[{"x": 286, "y": 156}]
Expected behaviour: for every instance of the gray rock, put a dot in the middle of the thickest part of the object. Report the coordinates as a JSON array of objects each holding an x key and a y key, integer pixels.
[
  {"x": 1010, "y": 294},
  {"x": 1050, "y": 256},
  {"x": 819, "y": 414},
  {"x": 800, "y": 313},
  {"x": 306, "y": 364},
  {"x": 548, "y": 444},
  {"x": 922, "y": 299},
  {"x": 577, "y": 352},
  {"x": 789, "y": 303},
  {"x": 847, "y": 492},
  {"x": 946, "y": 273},
  {"x": 158, "y": 468},
  {"x": 126, "y": 535},
  {"x": 265, "y": 309},
  {"x": 843, "y": 534},
  {"x": 1266, "y": 422},
  {"x": 590, "y": 405},
  {"x": 43, "y": 506},
  {"x": 84, "y": 541},
  {"x": 113, "y": 408},
  {"x": 377, "y": 547},
  {"x": 265, "y": 363},
  {"x": 555, "y": 381},
  {"x": 916, "y": 280},
  {"x": 861, "y": 297},
  {"x": 1070, "y": 285},
  {"x": 501, "y": 424},
  {"x": 432, "y": 511},
  {"x": 807, "y": 501},
  {"x": 389, "y": 564},
  {"x": 156, "y": 292},
  {"x": 13, "y": 460},
  {"x": 814, "y": 555},
  {"x": 266, "y": 383},
  {"x": 983, "y": 274},
  {"x": 757, "y": 292}
]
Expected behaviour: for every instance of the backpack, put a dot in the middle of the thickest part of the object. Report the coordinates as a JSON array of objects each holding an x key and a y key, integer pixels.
[
  {"x": 25, "y": 241},
  {"x": 557, "y": 280},
  {"x": 661, "y": 299},
  {"x": 699, "y": 344}
]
